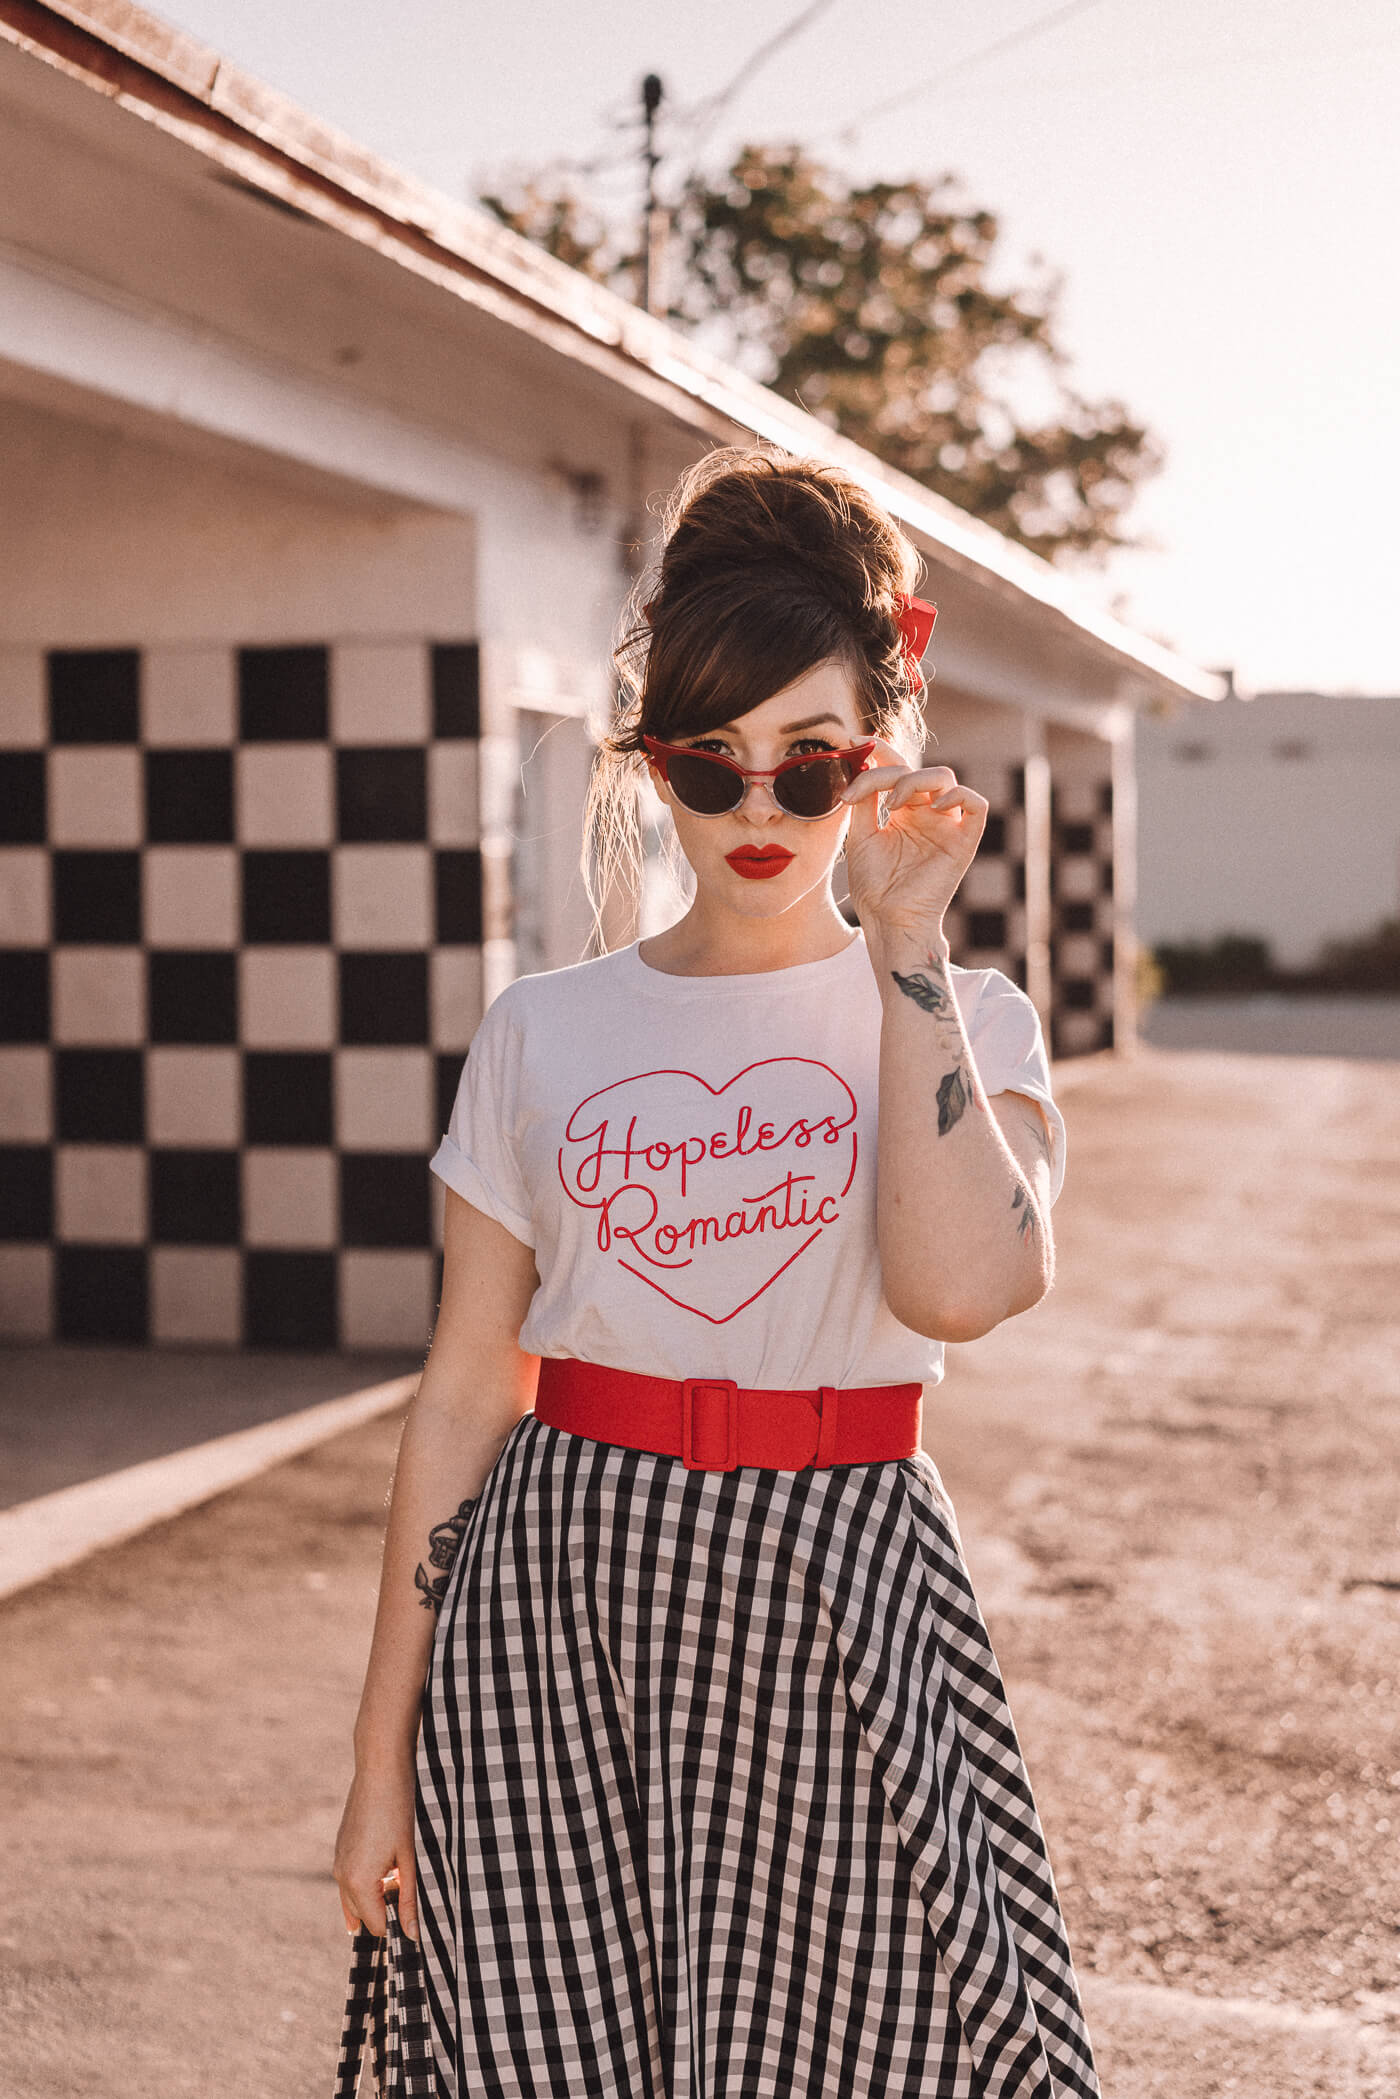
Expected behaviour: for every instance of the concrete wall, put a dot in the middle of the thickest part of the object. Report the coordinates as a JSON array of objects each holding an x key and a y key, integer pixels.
[{"x": 1278, "y": 817}]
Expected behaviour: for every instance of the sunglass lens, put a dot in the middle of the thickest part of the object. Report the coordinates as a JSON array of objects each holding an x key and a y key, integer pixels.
[
  {"x": 703, "y": 784},
  {"x": 812, "y": 788}
]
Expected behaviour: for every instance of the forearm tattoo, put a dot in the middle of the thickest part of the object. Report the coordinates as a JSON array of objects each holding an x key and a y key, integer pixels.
[
  {"x": 1027, "y": 1223},
  {"x": 443, "y": 1541},
  {"x": 958, "y": 1088}
]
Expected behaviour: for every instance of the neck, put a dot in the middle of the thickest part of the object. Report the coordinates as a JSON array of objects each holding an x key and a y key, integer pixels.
[{"x": 711, "y": 941}]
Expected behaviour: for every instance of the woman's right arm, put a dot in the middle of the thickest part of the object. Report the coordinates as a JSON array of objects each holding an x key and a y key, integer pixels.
[{"x": 476, "y": 1384}]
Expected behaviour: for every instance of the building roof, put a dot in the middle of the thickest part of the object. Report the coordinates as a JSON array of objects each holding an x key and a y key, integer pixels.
[{"x": 266, "y": 143}]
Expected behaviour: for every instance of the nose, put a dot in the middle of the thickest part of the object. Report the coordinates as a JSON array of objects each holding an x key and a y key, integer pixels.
[{"x": 759, "y": 803}]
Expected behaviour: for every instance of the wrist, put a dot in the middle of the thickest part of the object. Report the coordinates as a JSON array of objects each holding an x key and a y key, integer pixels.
[{"x": 907, "y": 946}]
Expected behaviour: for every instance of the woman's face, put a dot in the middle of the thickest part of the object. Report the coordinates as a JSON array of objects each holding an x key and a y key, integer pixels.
[{"x": 820, "y": 711}]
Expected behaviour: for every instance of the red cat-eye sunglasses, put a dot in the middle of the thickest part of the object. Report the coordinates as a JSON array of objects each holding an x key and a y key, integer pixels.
[{"x": 708, "y": 784}]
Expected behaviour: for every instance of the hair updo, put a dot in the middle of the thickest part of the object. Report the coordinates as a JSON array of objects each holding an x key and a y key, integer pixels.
[{"x": 769, "y": 565}]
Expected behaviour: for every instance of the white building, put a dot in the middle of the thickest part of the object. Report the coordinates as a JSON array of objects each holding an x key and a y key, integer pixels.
[
  {"x": 1277, "y": 817},
  {"x": 316, "y": 495}
]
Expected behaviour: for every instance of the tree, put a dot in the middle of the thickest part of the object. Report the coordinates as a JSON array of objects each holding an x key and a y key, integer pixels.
[{"x": 875, "y": 307}]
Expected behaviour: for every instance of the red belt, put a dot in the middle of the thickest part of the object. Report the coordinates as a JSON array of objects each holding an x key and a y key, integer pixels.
[{"x": 713, "y": 1424}]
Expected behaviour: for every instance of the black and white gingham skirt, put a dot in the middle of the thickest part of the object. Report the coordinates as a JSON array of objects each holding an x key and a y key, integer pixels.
[{"x": 719, "y": 1796}]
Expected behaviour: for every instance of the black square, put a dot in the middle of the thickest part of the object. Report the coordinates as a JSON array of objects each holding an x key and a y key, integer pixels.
[
  {"x": 457, "y": 895},
  {"x": 192, "y": 995},
  {"x": 189, "y": 797},
  {"x": 1017, "y": 779},
  {"x": 287, "y": 1097},
  {"x": 283, "y": 695},
  {"x": 986, "y": 929},
  {"x": 23, "y": 798},
  {"x": 381, "y": 795},
  {"x": 99, "y": 1096},
  {"x": 102, "y": 1293},
  {"x": 1076, "y": 838},
  {"x": 383, "y": 997},
  {"x": 287, "y": 896},
  {"x": 1018, "y": 970},
  {"x": 1076, "y": 918},
  {"x": 1076, "y": 994},
  {"x": 290, "y": 1298},
  {"x": 1106, "y": 797},
  {"x": 993, "y": 836},
  {"x": 1018, "y": 880},
  {"x": 1106, "y": 952},
  {"x": 195, "y": 1198},
  {"x": 384, "y": 1199},
  {"x": 24, "y": 994},
  {"x": 94, "y": 695},
  {"x": 97, "y": 896},
  {"x": 1106, "y": 878},
  {"x": 448, "y": 1074},
  {"x": 456, "y": 671},
  {"x": 26, "y": 1191}
]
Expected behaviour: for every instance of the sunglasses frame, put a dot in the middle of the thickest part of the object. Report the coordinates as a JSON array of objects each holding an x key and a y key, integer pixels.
[{"x": 662, "y": 753}]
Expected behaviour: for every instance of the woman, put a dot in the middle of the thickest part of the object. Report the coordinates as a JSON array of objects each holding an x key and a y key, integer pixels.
[{"x": 715, "y": 1793}]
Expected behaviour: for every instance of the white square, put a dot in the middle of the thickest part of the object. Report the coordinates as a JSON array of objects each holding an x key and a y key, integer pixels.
[
  {"x": 100, "y": 1193},
  {"x": 380, "y": 692},
  {"x": 99, "y": 994},
  {"x": 384, "y": 1100},
  {"x": 287, "y": 997},
  {"x": 191, "y": 896},
  {"x": 26, "y": 1292},
  {"x": 189, "y": 697},
  {"x": 196, "y": 1294},
  {"x": 25, "y": 909},
  {"x": 284, "y": 794},
  {"x": 26, "y": 1095},
  {"x": 23, "y": 712},
  {"x": 386, "y": 1297},
  {"x": 289, "y": 1196},
  {"x": 454, "y": 807},
  {"x": 1077, "y": 955},
  {"x": 456, "y": 998},
  {"x": 193, "y": 1098},
  {"x": 1076, "y": 878},
  {"x": 986, "y": 885},
  {"x": 381, "y": 896},
  {"x": 95, "y": 795}
]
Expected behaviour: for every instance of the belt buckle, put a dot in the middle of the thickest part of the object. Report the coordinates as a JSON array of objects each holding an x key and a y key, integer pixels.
[{"x": 689, "y": 1387}]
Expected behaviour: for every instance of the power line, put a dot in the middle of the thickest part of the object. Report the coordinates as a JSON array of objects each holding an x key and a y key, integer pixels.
[
  {"x": 1016, "y": 37},
  {"x": 707, "y": 112}
]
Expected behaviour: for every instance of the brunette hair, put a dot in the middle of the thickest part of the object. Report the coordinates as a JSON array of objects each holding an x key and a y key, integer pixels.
[{"x": 769, "y": 565}]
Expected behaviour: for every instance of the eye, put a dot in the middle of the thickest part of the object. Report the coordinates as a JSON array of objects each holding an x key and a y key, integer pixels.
[
  {"x": 807, "y": 744},
  {"x": 710, "y": 743}
]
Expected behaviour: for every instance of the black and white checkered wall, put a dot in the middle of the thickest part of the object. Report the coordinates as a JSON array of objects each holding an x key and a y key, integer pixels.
[
  {"x": 240, "y": 963},
  {"x": 986, "y": 925},
  {"x": 1082, "y": 915}
]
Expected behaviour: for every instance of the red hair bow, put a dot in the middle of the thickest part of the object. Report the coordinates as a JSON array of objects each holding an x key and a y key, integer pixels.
[{"x": 915, "y": 622}]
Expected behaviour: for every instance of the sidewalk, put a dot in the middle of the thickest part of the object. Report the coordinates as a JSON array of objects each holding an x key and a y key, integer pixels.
[{"x": 1175, "y": 1484}]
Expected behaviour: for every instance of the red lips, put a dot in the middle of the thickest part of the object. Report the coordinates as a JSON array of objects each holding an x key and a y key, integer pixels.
[{"x": 756, "y": 863}]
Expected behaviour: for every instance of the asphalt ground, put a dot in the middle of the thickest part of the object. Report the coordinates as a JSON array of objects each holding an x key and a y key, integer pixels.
[{"x": 1176, "y": 1482}]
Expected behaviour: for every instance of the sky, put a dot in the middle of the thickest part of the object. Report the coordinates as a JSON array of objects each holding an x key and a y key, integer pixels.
[{"x": 1219, "y": 187}]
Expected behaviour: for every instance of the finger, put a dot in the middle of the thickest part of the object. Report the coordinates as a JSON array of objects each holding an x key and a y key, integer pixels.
[
  {"x": 352, "y": 1921},
  {"x": 408, "y": 1899},
  {"x": 369, "y": 1901}
]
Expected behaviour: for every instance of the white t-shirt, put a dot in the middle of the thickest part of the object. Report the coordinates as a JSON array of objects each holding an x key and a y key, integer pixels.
[{"x": 693, "y": 1161}]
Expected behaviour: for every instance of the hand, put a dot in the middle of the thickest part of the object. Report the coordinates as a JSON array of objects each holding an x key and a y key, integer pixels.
[
  {"x": 904, "y": 875},
  {"x": 375, "y": 1844}
]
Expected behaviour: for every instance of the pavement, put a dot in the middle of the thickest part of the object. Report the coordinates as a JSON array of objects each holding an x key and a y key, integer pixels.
[{"x": 1175, "y": 1483}]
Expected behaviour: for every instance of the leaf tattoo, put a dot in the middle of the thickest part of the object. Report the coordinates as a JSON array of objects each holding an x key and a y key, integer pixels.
[
  {"x": 1026, "y": 1220},
  {"x": 953, "y": 1098},
  {"x": 933, "y": 997},
  {"x": 443, "y": 1542}
]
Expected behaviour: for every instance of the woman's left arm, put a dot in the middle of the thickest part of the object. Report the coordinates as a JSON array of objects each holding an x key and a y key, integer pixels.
[
  {"x": 963, "y": 1187},
  {"x": 963, "y": 1183}
]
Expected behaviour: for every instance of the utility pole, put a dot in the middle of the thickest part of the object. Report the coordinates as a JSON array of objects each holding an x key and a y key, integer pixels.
[{"x": 656, "y": 222}]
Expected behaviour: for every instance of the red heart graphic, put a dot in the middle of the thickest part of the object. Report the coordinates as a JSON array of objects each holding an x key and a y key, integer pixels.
[{"x": 708, "y": 1193}]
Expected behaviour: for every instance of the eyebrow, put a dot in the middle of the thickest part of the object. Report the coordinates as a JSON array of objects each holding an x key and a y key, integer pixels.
[{"x": 813, "y": 721}]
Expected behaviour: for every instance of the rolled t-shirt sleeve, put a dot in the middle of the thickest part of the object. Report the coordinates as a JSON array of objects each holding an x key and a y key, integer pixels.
[
  {"x": 1009, "y": 1049},
  {"x": 478, "y": 1152}
]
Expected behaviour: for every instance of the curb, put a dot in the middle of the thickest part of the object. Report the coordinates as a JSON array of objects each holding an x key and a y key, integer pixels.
[{"x": 56, "y": 1530}]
